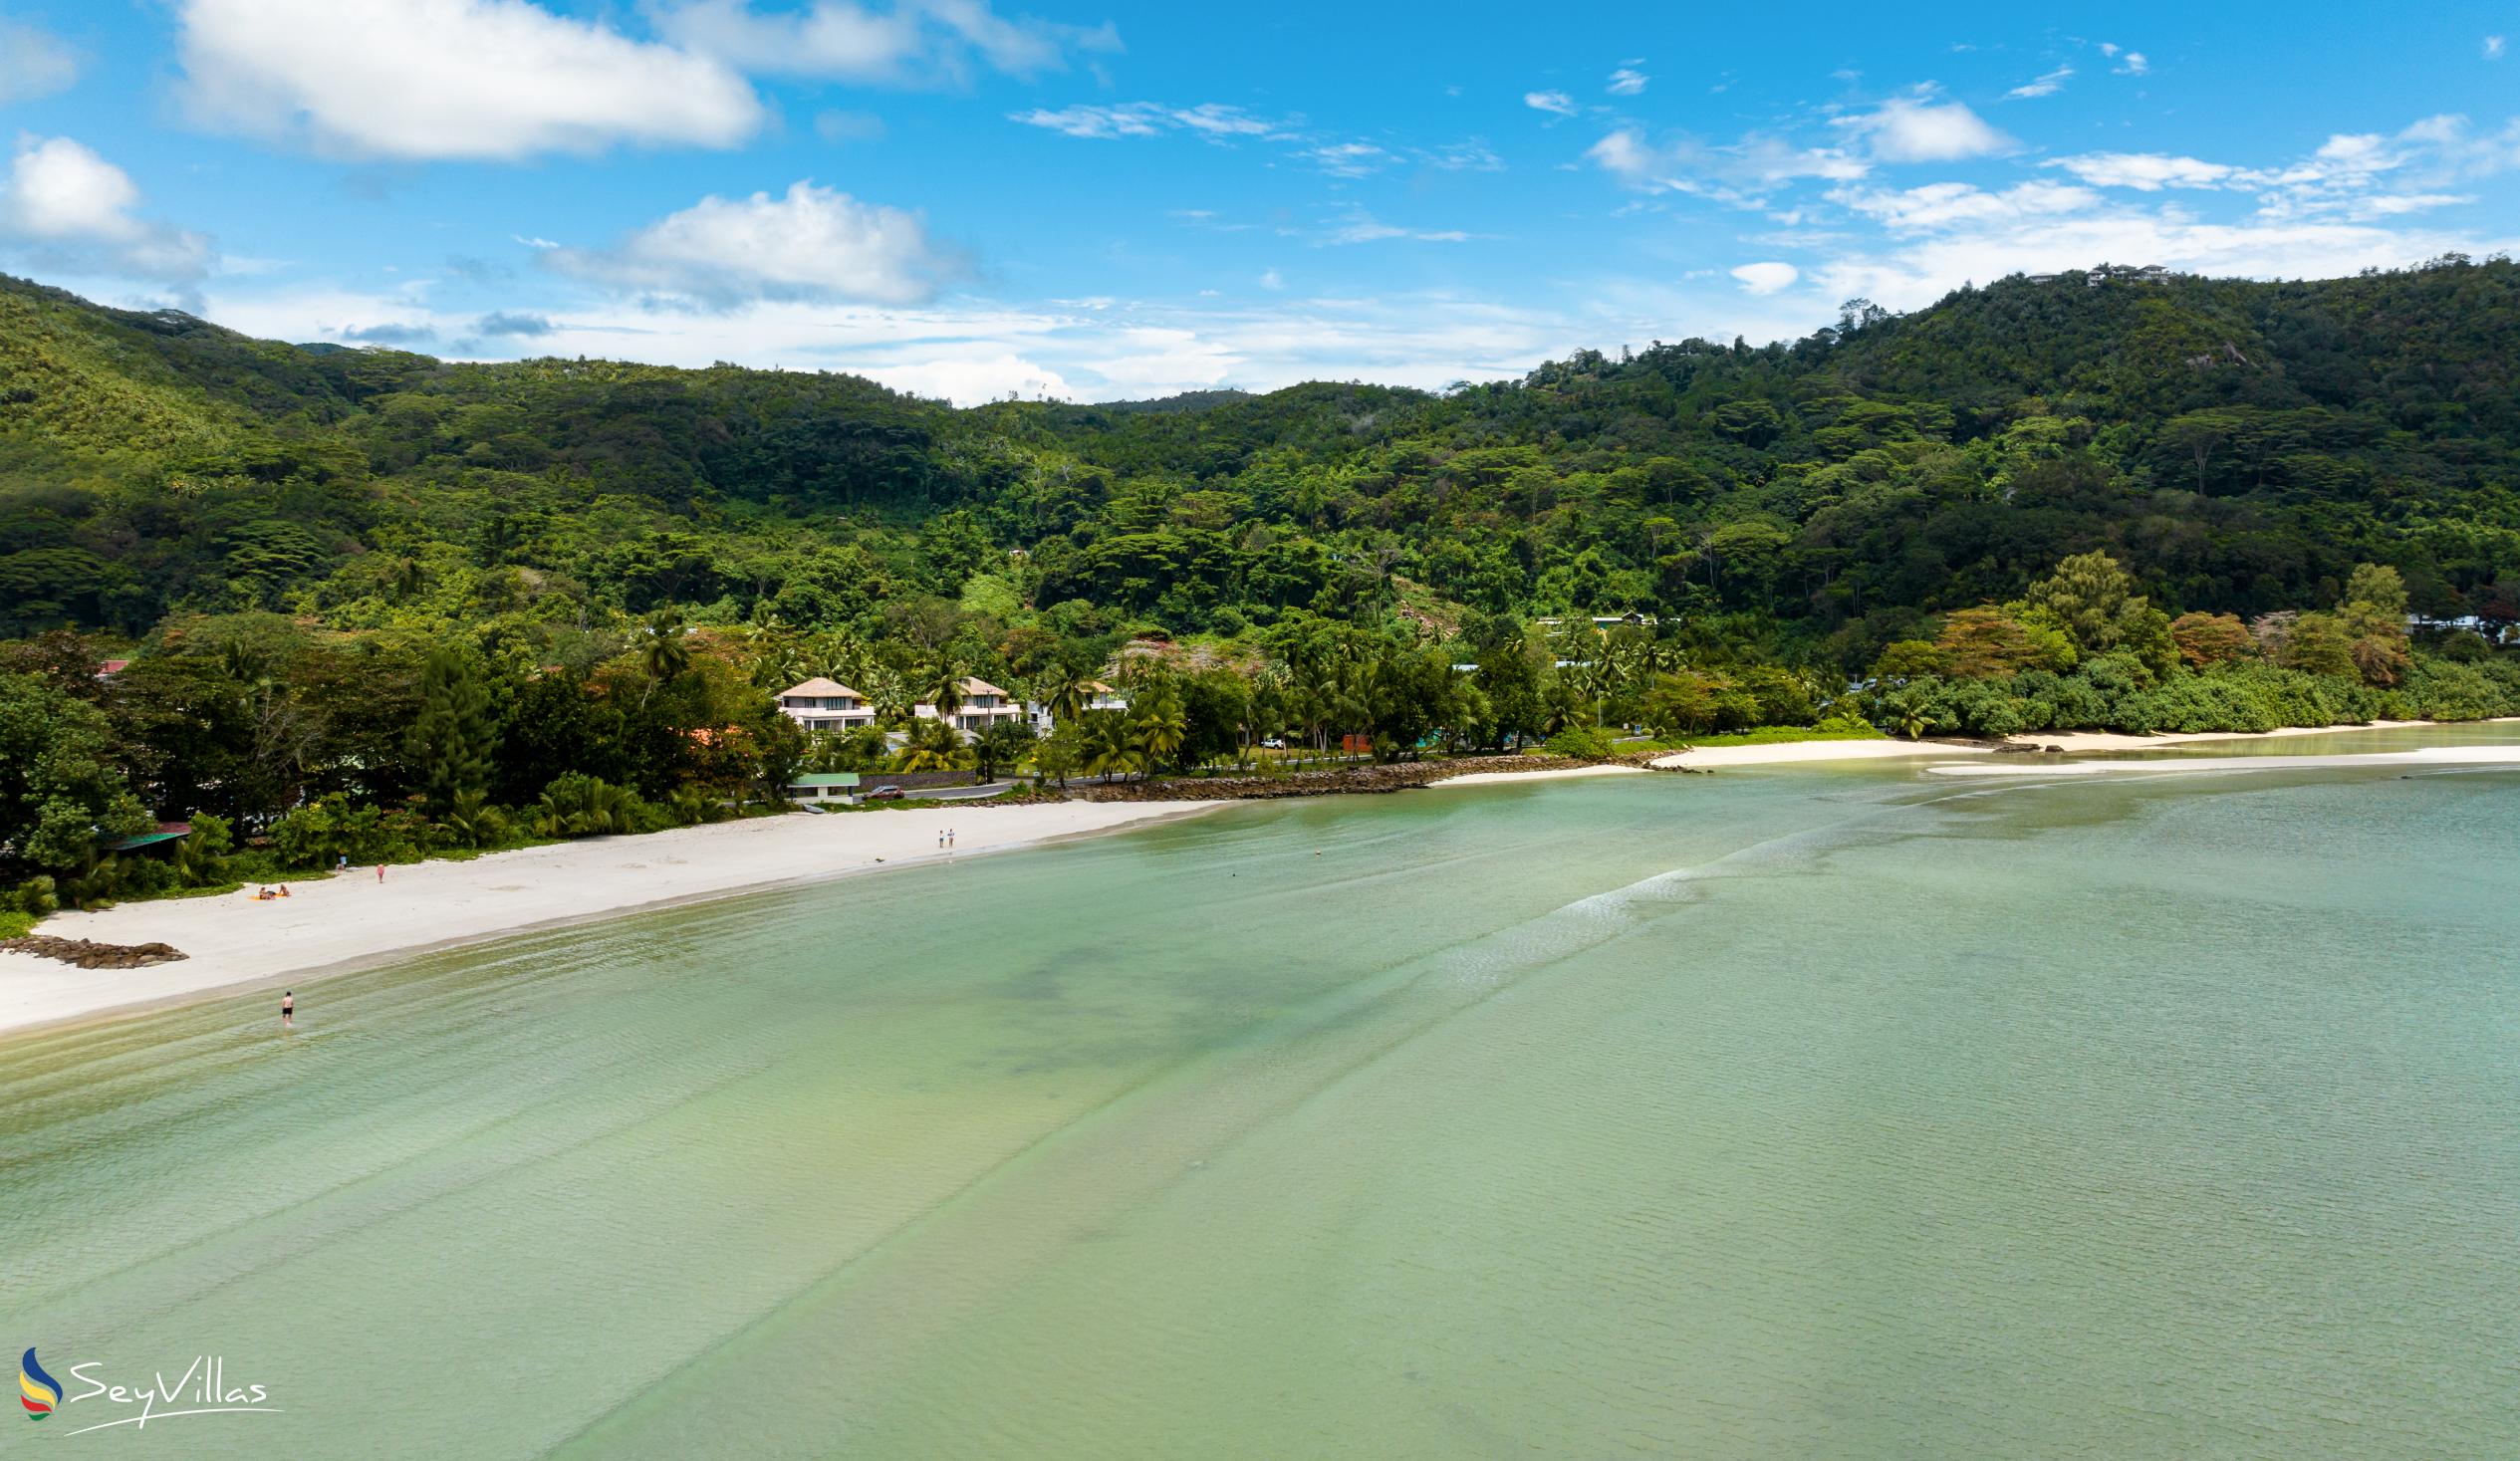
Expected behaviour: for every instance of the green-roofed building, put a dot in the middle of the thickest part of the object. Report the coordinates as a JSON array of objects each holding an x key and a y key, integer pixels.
[{"x": 815, "y": 786}]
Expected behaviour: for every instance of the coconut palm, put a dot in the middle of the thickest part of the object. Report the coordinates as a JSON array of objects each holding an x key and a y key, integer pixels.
[
  {"x": 1066, "y": 691},
  {"x": 1107, "y": 747},
  {"x": 942, "y": 688},
  {"x": 1157, "y": 730},
  {"x": 1000, "y": 743},
  {"x": 663, "y": 650},
  {"x": 932, "y": 746}
]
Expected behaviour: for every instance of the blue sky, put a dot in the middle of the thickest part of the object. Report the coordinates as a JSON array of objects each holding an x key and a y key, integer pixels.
[{"x": 1101, "y": 200}]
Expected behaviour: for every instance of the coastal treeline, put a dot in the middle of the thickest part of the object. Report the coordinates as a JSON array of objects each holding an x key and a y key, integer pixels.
[{"x": 363, "y": 604}]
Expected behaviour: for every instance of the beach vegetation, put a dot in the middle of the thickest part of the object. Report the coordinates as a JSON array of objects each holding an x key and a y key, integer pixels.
[{"x": 370, "y": 603}]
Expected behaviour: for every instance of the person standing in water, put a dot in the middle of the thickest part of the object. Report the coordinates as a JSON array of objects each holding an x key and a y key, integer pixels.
[{"x": 288, "y": 1010}]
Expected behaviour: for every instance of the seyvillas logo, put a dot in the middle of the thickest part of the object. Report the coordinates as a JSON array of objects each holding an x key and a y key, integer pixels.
[
  {"x": 37, "y": 1391},
  {"x": 203, "y": 1388}
]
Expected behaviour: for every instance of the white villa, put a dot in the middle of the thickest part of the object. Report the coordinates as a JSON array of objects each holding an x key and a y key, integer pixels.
[
  {"x": 983, "y": 704},
  {"x": 824, "y": 705},
  {"x": 1100, "y": 696}
]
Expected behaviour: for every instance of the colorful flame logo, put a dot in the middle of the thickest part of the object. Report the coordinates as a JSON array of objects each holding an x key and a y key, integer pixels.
[{"x": 37, "y": 1391}]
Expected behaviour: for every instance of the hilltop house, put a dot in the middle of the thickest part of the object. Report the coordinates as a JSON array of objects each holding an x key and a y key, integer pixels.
[
  {"x": 983, "y": 704},
  {"x": 1100, "y": 696},
  {"x": 819, "y": 704}
]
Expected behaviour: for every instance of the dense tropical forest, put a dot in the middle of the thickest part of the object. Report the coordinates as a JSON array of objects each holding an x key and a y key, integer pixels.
[{"x": 375, "y": 603}]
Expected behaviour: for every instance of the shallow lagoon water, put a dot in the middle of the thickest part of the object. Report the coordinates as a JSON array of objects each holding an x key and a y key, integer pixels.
[{"x": 1824, "y": 1111}]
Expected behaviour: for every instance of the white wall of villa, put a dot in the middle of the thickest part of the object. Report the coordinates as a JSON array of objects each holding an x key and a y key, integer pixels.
[
  {"x": 820, "y": 704},
  {"x": 1100, "y": 697},
  {"x": 983, "y": 704}
]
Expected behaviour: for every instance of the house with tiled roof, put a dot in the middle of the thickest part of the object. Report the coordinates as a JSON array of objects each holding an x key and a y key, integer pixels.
[
  {"x": 821, "y": 704},
  {"x": 983, "y": 704}
]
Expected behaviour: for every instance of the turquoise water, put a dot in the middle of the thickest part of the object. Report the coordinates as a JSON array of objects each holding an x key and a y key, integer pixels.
[{"x": 1813, "y": 1112}]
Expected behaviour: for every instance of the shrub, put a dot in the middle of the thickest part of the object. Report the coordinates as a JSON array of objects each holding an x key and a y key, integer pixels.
[
  {"x": 323, "y": 832},
  {"x": 1581, "y": 743},
  {"x": 578, "y": 805},
  {"x": 2447, "y": 689}
]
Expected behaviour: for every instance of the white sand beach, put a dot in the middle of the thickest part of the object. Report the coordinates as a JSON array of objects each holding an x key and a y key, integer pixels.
[
  {"x": 1789, "y": 753},
  {"x": 352, "y": 920},
  {"x": 2429, "y": 755},
  {"x": 2080, "y": 742}
]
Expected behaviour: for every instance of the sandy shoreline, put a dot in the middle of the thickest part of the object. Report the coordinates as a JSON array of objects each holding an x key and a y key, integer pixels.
[
  {"x": 2086, "y": 741},
  {"x": 1790, "y": 753},
  {"x": 353, "y": 921},
  {"x": 2072, "y": 742}
]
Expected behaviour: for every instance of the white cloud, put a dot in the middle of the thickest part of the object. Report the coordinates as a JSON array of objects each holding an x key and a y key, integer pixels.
[
  {"x": 426, "y": 78},
  {"x": 970, "y": 374},
  {"x": 2145, "y": 171},
  {"x": 1767, "y": 278},
  {"x": 1627, "y": 82},
  {"x": 2493, "y": 48},
  {"x": 2355, "y": 174},
  {"x": 2044, "y": 86},
  {"x": 2133, "y": 63},
  {"x": 1740, "y": 174},
  {"x": 813, "y": 243},
  {"x": 1272, "y": 279},
  {"x": 1222, "y": 125},
  {"x": 1918, "y": 129},
  {"x": 1948, "y": 204},
  {"x": 1362, "y": 227},
  {"x": 843, "y": 41},
  {"x": 1346, "y": 159},
  {"x": 33, "y": 63},
  {"x": 1153, "y": 118},
  {"x": 1555, "y": 102},
  {"x": 70, "y": 209},
  {"x": 1930, "y": 265}
]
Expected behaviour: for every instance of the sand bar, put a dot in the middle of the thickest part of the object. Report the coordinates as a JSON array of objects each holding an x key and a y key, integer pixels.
[
  {"x": 352, "y": 920},
  {"x": 2429, "y": 755},
  {"x": 1791, "y": 753}
]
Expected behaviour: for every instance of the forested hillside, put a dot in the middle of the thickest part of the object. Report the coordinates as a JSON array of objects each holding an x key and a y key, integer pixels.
[
  {"x": 2237, "y": 446},
  {"x": 2083, "y": 500}
]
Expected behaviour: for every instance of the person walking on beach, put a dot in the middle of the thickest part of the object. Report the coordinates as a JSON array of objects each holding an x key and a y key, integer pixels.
[
  {"x": 288, "y": 1010},
  {"x": 380, "y": 872},
  {"x": 950, "y": 837}
]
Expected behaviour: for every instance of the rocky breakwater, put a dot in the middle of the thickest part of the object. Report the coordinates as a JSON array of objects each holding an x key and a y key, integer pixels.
[
  {"x": 1397, "y": 775},
  {"x": 88, "y": 954}
]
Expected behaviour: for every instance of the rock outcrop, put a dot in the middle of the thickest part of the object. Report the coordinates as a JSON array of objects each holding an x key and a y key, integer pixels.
[{"x": 88, "y": 954}]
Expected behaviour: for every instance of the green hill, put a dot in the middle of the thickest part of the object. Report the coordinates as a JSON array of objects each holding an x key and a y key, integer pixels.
[{"x": 2240, "y": 445}]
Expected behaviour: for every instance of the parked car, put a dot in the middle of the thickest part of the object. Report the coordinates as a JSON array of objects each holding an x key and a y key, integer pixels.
[
  {"x": 885, "y": 793},
  {"x": 1273, "y": 743}
]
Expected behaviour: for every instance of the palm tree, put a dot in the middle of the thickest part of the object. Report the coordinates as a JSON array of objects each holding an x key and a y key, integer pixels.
[
  {"x": 1107, "y": 747},
  {"x": 1066, "y": 692},
  {"x": 932, "y": 746},
  {"x": 1912, "y": 724},
  {"x": 1156, "y": 731},
  {"x": 776, "y": 661},
  {"x": 473, "y": 820},
  {"x": 943, "y": 689},
  {"x": 662, "y": 651},
  {"x": 1000, "y": 743}
]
